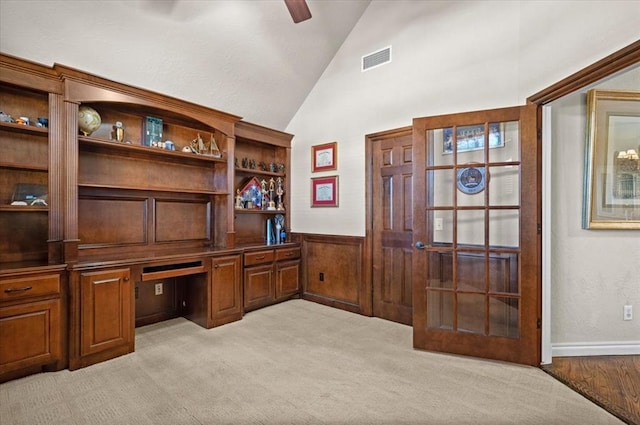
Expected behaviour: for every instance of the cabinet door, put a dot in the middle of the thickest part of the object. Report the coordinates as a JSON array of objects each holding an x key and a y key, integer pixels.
[
  {"x": 30, "y": 335},
  {"x": 226, "y": 291},
  {"x": 105, "y": 311},
  {"x": 287, "y": 278},
  {"x": 258, "y": 286}
]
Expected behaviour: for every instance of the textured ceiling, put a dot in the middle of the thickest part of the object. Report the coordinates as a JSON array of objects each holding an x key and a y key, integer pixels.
[{"x": 243, "y": 57}]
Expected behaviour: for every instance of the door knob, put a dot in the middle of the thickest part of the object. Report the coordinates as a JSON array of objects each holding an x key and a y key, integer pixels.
[{"x": 419, "y": 245}]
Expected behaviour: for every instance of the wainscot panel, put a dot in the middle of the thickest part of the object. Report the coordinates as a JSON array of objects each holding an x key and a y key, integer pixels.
[{"x": 333, "y": 272}]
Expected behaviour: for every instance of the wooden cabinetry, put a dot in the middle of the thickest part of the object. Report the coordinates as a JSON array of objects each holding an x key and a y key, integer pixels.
[
  {"x": 103, "y": 310},
  {"x": 31, "y": 322},
  {"x": 270, "y": 275},
  {"x": 118, "y": 213},
  {"x": 226, "y": 289},
  {"x": 287, "y": 273},
  {"x": 264, "y": 154},
  {"x": 258, "y": 279},
  {"x": 30, "y": 176},
  {"x": 153, "y": 198}
]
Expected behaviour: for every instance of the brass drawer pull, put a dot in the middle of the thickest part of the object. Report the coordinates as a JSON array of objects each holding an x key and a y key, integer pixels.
[
  {"x": 288, "y": 254},
  {"x": 10, "y": 290},
  {"x": 260, "y": 258}
]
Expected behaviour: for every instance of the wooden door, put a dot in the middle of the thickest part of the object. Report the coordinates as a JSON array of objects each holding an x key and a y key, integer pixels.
[
  {"x": 287, "y": 279},
  {"x": 392, "y": 177},
  {"x": 476, "y": 263},
  {"x": 106, "y": 310},
  {"x": 226, "y": 289},
  {"x": 259, "y": 289}
]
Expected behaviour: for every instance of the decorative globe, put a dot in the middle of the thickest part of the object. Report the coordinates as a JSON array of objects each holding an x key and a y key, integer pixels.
[{"x": 88, "y": 120}]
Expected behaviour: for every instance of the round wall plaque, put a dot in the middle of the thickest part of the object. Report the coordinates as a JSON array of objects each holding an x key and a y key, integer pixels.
[{"x": 471, "y": 180}]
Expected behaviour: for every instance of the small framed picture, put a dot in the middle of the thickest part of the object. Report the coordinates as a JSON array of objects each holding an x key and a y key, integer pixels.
[
  {"x": 324, "y": 191},
  {"x": 324, "y": 157},
  {"x": 153, "y": 131}
]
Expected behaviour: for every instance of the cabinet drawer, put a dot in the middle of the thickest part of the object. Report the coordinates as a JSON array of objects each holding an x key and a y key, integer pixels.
[
  {"x": 258, "y": 257},
  {"x": 287, "y": 254},
  {"x": 31, "y": 286}
]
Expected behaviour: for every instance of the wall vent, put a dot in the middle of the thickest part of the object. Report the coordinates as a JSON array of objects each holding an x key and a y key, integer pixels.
[{"x": 375, "y": 59}]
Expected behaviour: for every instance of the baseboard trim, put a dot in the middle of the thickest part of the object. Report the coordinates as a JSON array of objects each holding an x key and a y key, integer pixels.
[{"x": 611, "y": 348}]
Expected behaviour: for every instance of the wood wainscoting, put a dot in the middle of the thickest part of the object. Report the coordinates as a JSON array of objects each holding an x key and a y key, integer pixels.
[{"x": 334, "y": 272}]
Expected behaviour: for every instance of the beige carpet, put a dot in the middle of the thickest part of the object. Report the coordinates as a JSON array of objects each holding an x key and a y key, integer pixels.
[{"x": 293, "y": 363}]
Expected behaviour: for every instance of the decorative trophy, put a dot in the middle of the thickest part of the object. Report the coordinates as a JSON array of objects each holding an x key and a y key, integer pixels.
[{"x": 279, "y": 193}]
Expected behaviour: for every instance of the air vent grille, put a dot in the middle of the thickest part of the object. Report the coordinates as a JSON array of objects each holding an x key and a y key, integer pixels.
[{"x": 376, "y": 59}]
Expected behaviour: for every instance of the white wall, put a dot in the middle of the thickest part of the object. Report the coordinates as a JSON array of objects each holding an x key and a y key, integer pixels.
[
  {"x": 448, "y": 57},
  {"x": 594, "y": 272},
  {"x": 459, "y": 56}
]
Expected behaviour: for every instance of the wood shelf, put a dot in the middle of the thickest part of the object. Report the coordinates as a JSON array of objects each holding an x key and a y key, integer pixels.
[
  {"x": 257, "y": 211},
  {"x": 146, "y": 151},
  {"x": 25, "y": 129},
  {"x": 27, "y": 167},
  {"x": 23, "y": 208},
  {"x": 255, "y": 171},
  {"x": 154, "y": 189}
]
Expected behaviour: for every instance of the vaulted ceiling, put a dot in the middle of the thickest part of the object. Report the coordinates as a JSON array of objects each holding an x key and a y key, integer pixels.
[{"x": 244, "y": 57}]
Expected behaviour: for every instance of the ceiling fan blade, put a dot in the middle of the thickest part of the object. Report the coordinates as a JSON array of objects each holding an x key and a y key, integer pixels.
[{"x": 298, "y": 9}]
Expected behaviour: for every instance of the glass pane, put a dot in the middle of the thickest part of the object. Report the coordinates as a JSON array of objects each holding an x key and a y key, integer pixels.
[
  {"x": 440, "y": 188},
  {"x": 503, "y": 317},
  {"x": 504, "y": 141},
  {"x": 504, "y": 228},
  {"x": 440, "y": 310},
  {"x": 439, "y": 152},
  {"x": 471, "y": 313},
  {"x": 440, "y": 269},
  {"x": 442, "y": 226},
  {"x": 470, "y": 271},
  {"x": 503, "y": 273},
  {"x": 471, "y": 227},
  {"x": 504, "y": 185},
  {"x": 470, "y": 143}
]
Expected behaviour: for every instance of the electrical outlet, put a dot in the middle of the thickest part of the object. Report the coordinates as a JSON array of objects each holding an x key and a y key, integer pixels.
[
  {"x": 628, "y": 312},
  {"x": 159, "y": 288},
  {"x": 438, "y": 224}
]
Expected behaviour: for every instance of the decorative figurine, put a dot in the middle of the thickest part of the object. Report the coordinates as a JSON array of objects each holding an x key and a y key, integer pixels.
[
  {"x": 213, "y": 148},
  {"x": 245, "y": 163},
  {"x": 6, "y": 117},
  {"x": 279, "y": 219},
  {"x": 238, "y": 200},
  {"x": 118, "y": 132},
  {"x": 197, "y": 145}
]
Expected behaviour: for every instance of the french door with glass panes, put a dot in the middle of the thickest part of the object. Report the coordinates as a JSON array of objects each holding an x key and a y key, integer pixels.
[{"x": 476, "y": 209}]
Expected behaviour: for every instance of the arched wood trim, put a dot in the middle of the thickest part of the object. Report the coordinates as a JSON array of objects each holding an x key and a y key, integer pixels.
[{"x": 613, "y": 63}]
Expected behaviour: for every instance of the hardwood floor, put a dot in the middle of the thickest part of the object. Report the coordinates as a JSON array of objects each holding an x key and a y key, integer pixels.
[{"x": 612, "y": 382}]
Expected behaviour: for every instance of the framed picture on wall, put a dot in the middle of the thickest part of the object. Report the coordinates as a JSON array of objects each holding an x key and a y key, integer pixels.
[
  {"x": 471, "y": 138},
  {"x": 612, "y": 172},
  {"x": 324, "y": 157},
  {"x": 324, "y": 191}
]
